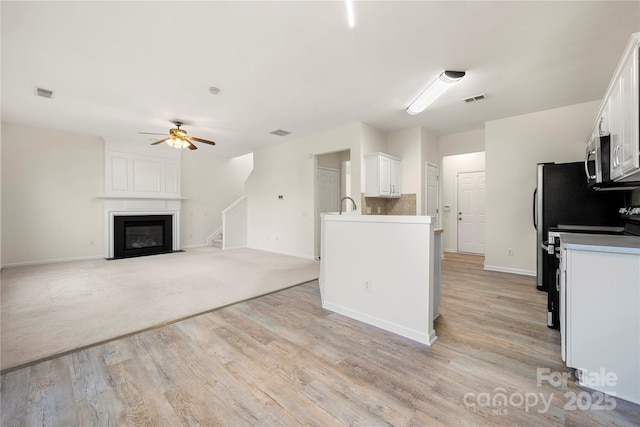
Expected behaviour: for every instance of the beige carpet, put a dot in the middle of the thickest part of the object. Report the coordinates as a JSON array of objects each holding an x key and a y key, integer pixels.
[{"x": 55, "y": 308}]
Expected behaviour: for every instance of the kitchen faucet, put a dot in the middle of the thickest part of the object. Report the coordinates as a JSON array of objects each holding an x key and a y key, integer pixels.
[{"x": 343, "y": 199}]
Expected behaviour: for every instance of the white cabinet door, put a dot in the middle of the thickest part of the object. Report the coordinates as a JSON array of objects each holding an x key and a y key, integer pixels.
[
  {"x": 383, "y": 174},
  {"x": 395, "y": 178},
  {"x": 384, "y": 177},
  {"x": 629, "y": 104},
  {"x": 615, "y": 127},
  {"x": 603, "y": 319},
  {"x": 563, "y": 306},
  {"x": 622, "y": 109}
]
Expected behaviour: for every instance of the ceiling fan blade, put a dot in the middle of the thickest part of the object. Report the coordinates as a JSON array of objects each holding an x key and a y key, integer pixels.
[
  {"x": 202, "y": 140},
  {"x": 159, "y": 142},
  {"x": 151, "y": 133},
  {"x": 191, "y": 146}
]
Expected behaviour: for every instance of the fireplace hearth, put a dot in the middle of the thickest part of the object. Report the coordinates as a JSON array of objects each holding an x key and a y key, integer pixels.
[{"x": 140, "y": 235}]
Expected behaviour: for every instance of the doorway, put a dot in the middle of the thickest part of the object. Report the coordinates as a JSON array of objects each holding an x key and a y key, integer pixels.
[
  {"x": 328, "y": 189},
  {"x": 471, "y": 212},
  {"x": 431, "y": 192},
  {"x": 333, "y": 181}
]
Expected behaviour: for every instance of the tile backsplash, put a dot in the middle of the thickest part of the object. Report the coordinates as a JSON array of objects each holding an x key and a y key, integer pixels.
[{"x": 404, "y": 205}]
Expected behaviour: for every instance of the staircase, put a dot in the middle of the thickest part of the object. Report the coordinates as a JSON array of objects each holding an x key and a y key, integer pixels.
[
  {"x": 234, "y": 226},
  {"x": 217, "y": 242}
]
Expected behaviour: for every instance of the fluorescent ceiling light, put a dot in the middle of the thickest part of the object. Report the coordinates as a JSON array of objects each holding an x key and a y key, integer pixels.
[
  {"x": 350, "y": 16},
  {"x": 435, "y": 89}
]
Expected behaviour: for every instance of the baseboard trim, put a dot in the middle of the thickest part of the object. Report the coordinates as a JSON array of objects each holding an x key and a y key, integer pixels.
[
  {"x": 510, "y": 270},
  {"x": 51, "y": 261},
  {"x": 421, "y": 337},
  {"x": 310, "y": 258},
  {"x": 202, "y": 245},
  {"x": 234, "y": 247}
]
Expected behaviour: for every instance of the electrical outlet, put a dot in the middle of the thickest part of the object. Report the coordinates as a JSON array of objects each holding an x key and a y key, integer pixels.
[
  {"x": 367, "y": 285},
  {"x": 510, "y": 252}
]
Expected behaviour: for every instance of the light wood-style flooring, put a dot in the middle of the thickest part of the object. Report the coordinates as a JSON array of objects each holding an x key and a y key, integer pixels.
[{"x": 282, "y": 360}]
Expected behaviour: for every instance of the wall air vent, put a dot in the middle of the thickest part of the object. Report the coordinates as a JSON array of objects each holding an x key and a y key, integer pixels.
[
  {"x": 475, "y": 98},
  {"x": 44, "y": 93},
  {"x": 280, "y": 132}
]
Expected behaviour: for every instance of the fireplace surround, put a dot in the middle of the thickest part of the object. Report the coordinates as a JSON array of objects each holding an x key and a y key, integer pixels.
[
  {"x": 139, "y": 235},
  {"x": 143, "y": 187},
  {"x": 129, "y": 207}
]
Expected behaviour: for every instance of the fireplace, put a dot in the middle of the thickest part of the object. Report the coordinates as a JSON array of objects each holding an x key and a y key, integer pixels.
[{"x": 139, "y": 235}]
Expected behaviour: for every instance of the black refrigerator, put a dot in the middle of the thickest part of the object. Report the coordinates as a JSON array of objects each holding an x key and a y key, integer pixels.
[{"x": 562, "y": 197}]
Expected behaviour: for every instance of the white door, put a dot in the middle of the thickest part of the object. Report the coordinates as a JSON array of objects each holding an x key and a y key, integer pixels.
[
  {"x": 328, "y": 196},
  {"x": 471, "y": 212},
  {"x": 431, "y": 196}
]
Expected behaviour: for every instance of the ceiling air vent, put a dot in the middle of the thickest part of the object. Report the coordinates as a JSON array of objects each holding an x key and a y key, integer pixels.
[
  {"x": 280, "y": 132},
  {"x": 475, "y": 98},
  {"x": 45, "y": 93}
]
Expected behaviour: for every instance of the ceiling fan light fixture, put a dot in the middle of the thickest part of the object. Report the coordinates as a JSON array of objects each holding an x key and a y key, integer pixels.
[
  {"x": 178, "y": 139},
  {"x": 175, "y": 142},
  {"x": 435, "y": 90}
]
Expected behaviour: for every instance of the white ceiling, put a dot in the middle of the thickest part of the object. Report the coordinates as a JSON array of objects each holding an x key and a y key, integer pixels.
[{"x": 118, "y": 68}]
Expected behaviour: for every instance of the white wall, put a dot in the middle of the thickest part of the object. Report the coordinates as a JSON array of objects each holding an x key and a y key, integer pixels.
[
  {"x": 372, "y": 140},
  {"x": 451, "y": 167},
  {"x": 406, "y": 145},
  {"x": 235, "y": 225},
  {"x": 210, "y": 183},
  {"x": 1, "y": 197},
  {"x": 51, "y": 181},
  {"x": 287, "y": 225},
  {"x": 461, "y": 143},
  {"x": 359, "y": 248},
  {"x": 513, "y": 148}
]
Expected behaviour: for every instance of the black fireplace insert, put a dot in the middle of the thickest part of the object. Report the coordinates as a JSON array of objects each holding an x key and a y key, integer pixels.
[{"x": 139, "y": 235}]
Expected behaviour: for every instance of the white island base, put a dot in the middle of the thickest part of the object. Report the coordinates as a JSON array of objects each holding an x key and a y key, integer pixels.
[{"x": 379, "y": 269}]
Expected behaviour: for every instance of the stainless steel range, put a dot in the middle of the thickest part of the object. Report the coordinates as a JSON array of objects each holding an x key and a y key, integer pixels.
[{"x": 630, "y": 219}]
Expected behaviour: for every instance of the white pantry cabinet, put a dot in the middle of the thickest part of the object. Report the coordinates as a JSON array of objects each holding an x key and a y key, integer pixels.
[
  {"x": 383, "y": 175},
  {"x": 600, "y": 312}
]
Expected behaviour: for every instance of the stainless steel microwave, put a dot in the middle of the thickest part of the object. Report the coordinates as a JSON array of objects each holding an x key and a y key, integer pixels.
[
  {"x": 597, "y": 166},
  {"x": 596, "y": 162}
]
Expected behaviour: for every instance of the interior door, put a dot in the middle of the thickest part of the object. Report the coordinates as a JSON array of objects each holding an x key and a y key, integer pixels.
[
  {"x": 431, "y": 196},
  {"x": 328, "y": 196},
  {"x": 471, "y": 212}
]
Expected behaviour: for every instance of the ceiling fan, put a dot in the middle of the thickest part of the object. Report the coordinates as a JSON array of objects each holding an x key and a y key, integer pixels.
[{"x": 178, "y": 138}]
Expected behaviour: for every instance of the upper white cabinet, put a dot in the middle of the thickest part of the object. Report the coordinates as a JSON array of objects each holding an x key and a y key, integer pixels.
[
  {"x": 619, "y": 116},
  {"x": 383, "y": 175}
]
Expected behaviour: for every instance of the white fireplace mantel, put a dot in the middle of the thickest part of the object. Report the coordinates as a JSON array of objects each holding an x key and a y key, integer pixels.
[
  {"x": 140, "y": 184},
  {"x": 114, "y": 206}
]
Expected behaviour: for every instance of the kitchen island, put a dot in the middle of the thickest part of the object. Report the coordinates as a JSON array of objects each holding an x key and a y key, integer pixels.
[{"x": 380, "y": 270}]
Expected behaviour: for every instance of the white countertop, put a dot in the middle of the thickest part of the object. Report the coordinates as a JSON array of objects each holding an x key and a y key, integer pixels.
[
  {"x": 601, "y": 243},
  {"x": 391, "y": 219}
]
